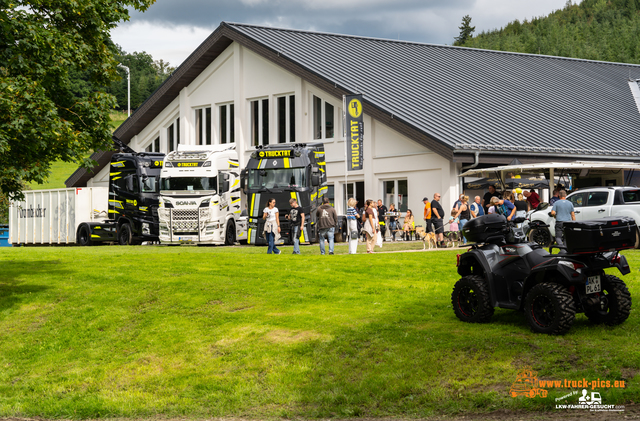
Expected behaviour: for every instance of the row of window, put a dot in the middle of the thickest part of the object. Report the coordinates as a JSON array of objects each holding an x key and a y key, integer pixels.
[{"x": 323, "y": 123}]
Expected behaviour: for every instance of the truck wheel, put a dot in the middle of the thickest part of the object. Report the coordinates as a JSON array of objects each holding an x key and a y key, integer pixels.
[
  {"x": 230, "y": 234},
  {"x": 125, "y": 236},
  {"x": 471, "y": 300},
  {"x": 84, "y": 235},
  {"x": 615, "y": 303},
  {"x": 549, "y": 308},
  {"x": 541, "y": 236}
]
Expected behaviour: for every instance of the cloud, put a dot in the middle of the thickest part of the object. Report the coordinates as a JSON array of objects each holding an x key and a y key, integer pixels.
[{"x": 172, "y": 29}]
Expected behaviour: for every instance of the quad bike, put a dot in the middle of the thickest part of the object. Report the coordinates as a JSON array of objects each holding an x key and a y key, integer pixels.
[{"x": 503, "y": 270}]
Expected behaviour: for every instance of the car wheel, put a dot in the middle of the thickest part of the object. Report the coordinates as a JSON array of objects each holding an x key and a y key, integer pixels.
[
  {"x": 614, "y": 303},
  {"x": 230, "y": 233},
  {"x": 84, "y": 235},
  {"x": 541, "y": 236},
  {"x": 125, "y": 236},
  {"x": 471, "y": 300},
  {"x": 549, "y": 308}
]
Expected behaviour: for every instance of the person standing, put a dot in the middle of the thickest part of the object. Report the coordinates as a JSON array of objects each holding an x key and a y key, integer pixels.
[
  {"x": 296, "y": 218},
  {"x": 457, "y": 203},
  {"x": 271, "y": 215},
  {"x": 563, "y": 211},
  {"x": 382, "y": 216},
  {"x": 476, "y": 207},
  {"x": 522, "y": 206},
  {"x": 555, "y": 198},
  {"x": 352, "y": 220},
  {"x": 327, "y": 221},
  {"x": 464, "y": 214},
  {"x": 369, "y": 225},
  {"x": 427, "y": 214},
  {"x": 437, "y": 213},
  {"x": 393, "y": 221},
  {"x": 486, "y": 200},
  {"x": 532, "y": 198}
]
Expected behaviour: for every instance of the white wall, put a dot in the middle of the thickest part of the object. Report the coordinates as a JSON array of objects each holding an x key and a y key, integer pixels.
[{"x": 239, "y": 76}]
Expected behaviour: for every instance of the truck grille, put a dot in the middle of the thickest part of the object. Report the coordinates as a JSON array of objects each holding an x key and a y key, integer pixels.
[{"x": 184, "y": 220}]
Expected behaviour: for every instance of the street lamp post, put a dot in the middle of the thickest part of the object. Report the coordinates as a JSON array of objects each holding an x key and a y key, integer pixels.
[{"x": 128, "y": 89}]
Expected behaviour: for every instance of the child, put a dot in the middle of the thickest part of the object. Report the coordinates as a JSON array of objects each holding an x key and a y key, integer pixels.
[{"x": 453, "y": 221}]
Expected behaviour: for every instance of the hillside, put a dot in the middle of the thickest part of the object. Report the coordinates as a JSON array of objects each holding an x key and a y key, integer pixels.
[{"x": 594, "y": 29}]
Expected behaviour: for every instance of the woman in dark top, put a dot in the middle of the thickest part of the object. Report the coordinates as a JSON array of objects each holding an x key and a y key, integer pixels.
[
  {"x": 522, "y": 206},
  {"x": 464, "y": 213},
  {"x": 393, "y": 222}
]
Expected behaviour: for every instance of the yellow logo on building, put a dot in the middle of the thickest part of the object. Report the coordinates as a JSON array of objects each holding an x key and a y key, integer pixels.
[{"x": 355, "y": 108}]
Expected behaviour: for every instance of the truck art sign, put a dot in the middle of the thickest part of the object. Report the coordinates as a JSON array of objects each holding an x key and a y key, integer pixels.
[
  {"x": 275, "y": 154},
  {"x": 354, "y": 131}
]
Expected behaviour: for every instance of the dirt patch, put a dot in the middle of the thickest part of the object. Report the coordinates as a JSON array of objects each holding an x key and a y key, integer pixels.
[{"x": 283, "y": 336}]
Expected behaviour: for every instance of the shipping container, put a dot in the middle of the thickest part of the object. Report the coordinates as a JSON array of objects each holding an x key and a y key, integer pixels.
[{"x": 53, "y": 216}]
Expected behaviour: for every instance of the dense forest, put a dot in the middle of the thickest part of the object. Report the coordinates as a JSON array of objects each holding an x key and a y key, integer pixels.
[{"x": 606, "y": 30}]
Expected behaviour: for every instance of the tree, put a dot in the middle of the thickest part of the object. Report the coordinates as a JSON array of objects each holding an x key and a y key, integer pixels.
[
  {"x": 466, "y": 31},
  {"x": 45, "y": 117}
]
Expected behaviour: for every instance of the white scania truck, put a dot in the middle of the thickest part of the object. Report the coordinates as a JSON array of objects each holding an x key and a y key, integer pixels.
[{"x": 200, "y": 196}]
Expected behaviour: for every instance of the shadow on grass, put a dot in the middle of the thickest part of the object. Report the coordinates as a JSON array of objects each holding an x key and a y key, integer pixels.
[{"x": 13, "y": 289}]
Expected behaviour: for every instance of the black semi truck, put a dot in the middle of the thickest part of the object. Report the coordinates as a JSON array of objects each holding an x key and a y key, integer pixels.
[
  {"x": 283, "y": 172},
  {"x": 133, "y": 201}
]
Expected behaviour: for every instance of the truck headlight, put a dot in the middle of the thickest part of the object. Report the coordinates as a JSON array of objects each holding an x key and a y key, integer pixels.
[{"x": 145, "y": 229}]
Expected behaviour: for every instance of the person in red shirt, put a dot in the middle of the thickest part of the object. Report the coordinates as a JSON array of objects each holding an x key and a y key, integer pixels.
[{"x": 532, "y": 198}]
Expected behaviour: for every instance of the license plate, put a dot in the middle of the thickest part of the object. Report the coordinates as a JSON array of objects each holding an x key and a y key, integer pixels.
[
  {"x": 185, "y": 239},
  {"x": 593, "y": 284}
]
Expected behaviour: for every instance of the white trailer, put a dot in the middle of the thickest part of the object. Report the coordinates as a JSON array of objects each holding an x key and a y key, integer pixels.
[
  {"x": 200, "y": 196},
  {"x": 53, "y": 216}
]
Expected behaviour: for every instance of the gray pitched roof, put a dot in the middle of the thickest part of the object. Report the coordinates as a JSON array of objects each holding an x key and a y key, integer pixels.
[
  {"x": 471, "y": 99},
  {"x": 453, "y": 100}
]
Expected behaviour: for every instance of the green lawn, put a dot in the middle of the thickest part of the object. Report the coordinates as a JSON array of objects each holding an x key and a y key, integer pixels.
[
  {"x": 61, "y": 171},
  {"x": 210, "y": 332}
]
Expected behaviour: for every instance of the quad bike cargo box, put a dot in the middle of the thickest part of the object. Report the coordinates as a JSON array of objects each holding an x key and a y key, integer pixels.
[
  {"x": 479, "y": 229},
  {"x": 596, "y": 235}
]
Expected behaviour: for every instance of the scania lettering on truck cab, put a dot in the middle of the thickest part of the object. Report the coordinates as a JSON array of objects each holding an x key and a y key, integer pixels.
[
  {"x": 283, "y": 172},
  {"x": 200, "y": 196}
]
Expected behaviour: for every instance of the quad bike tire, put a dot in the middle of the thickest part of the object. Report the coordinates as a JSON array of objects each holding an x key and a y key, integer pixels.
[
  {"x": 615, "y": 303},
  {"x": 549, "y": 308},
  {"x": 541, "y": 236},
  {"x": 471, "y": 300},
  {"x": 230, "y": 234}
]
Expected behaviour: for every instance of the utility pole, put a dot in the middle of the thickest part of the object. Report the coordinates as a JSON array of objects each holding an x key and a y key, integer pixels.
[{"x": 128, "y": 88}]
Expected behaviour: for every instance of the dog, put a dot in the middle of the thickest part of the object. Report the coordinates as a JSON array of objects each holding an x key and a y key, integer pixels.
[
  {"x": 453, "y": 237},
  {"x": 426, "y": 237}
]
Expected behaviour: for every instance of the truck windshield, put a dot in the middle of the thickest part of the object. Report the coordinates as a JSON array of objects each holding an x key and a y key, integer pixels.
[
  {"x": 278, "y": 178},
  {"x": 189, "y": 183}
]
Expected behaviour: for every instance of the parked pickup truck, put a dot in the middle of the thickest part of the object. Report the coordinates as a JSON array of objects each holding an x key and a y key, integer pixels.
[{"x": 590, "y": 203}]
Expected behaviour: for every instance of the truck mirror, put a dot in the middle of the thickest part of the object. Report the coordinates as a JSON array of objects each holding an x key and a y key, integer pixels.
[{"x": 315, "y": 180}]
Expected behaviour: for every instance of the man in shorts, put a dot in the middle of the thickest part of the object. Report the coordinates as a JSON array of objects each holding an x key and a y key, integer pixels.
[{"x": 437, "y": 213}]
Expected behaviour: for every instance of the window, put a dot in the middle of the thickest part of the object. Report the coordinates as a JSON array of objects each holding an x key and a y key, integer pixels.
[
  {"x": 631, "y": 196},
  {"x": 286, "y": 119},
  {"x": 260, "y": 122},
  {"x": 148, "y": 184},
  {"x": 323, "y": 119},
  {"x": 226, "y": 119},
  {"x": 173, "y": 136},
  {"x": 597, "y": 198},
  {"x": 278, "y": 178},
  {"x": 203, "y": 126},
  {"x": 189, "y": 183},
  {"x": 577, "y": 200},
  {"x": 154, "y": 146},
  {"x": 396, "y": 192},
  {"x": 331, "y": 194}
]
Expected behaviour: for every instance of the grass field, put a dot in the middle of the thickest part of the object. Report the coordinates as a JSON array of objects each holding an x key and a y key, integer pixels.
[
  {"x": 186, "y": 331},
  {"x": 61, "y": 171}
]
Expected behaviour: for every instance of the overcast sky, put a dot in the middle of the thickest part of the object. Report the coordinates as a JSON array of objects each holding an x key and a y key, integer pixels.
[{"x": 172, "y": 29}]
